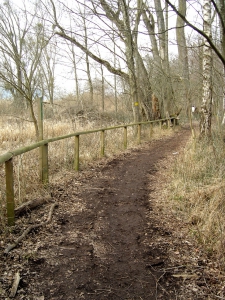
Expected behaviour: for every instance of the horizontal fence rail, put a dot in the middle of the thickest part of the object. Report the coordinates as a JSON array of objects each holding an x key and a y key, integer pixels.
[{"x": 7, "y": 158}]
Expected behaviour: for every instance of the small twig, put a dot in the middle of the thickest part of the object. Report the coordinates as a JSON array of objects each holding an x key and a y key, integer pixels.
[
  {"x": 176, "y": 267},
  {"x": 111, "y": 245},
  {"x": 157, "y": 283},
  {"x": 12, "y": 246},
  {"x": 219, "y": 297},
  {"x": 101, "y": 291},
  {"x": 17, "y": 117}
]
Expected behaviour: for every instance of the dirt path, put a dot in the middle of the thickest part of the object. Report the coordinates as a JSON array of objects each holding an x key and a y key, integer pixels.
[{"x": 108, "y": 239}]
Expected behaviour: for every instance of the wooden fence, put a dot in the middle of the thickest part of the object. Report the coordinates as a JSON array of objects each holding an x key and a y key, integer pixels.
[{"x": 7, "y": 158}]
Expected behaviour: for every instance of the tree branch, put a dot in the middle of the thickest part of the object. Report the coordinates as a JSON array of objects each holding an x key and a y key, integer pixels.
[
  {"x": 64, "y": 35},
  {"x": 201, "y": 32},
  {"x": 93, "y": 56},
  {"x": 219, "y": 14}
]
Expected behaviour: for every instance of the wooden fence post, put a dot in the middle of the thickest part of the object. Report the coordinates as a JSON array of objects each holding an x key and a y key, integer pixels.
[
  {"x": 40, "y": 137},
  {"x": 45, "y": 179},
  {"x": 10, "y": 192},
  {"x": 76, "y": 154},
  {"x": 175, "y": 122},
  {"x": 125, "y": 137},
  {"x": 151, "y": 130},
  {"x": 102, "y": 143},
  {"x": 168, "y": 123},
  {"x": 139, "y": 133}
]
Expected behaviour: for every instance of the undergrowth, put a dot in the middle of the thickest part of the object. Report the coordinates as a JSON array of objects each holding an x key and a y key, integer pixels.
[{"x": 197, "y": 190}]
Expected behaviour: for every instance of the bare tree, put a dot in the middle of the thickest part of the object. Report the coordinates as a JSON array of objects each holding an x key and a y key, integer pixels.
[
  {"x": 164, "y": 55},
  {"x": 122, "y": 18},
  {"x": 47, "y": 69},
  {"x": 90, "y": 84},
  {"x": 182, "y": 51},
  {"x": 22, "y": 41},
  {"x": 210, "y": 44},
  {"x": 74, "y": 59},
  {"x": 219, "y": 51},
  {"x": 156, "y": 23}
]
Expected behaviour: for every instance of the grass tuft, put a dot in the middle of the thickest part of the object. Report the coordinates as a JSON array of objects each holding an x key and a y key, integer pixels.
[{"x": 197, "y": 190}]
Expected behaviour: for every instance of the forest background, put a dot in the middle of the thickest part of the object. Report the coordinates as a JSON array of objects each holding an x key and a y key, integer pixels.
[{"x": 139, "y": 56}]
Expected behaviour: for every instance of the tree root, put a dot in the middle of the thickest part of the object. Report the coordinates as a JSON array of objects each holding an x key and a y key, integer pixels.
[{"x": 30, "y": 228}]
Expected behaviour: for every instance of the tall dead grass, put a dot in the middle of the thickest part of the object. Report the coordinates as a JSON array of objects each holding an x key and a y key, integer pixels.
[
  {"x": 197, "y": 190},
  {"x": 16, "y": 131}
]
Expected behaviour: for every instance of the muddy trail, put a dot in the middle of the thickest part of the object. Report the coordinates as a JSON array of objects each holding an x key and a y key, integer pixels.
[{"x": 109, "y": 239}]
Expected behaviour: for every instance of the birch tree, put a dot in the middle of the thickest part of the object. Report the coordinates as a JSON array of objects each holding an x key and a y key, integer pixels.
[
  {"x": 221, "y": 13},
  {"x": 206, "y": 107},
  {"x": 210, "y": 45}
]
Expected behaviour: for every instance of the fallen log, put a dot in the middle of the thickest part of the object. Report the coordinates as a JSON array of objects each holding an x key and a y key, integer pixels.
[{"x": 29, "y": 205}]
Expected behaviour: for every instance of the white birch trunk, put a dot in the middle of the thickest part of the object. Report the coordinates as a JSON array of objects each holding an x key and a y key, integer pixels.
[
  {"x": 206, "y": 108},
  {"x": 221, "y": 5}
]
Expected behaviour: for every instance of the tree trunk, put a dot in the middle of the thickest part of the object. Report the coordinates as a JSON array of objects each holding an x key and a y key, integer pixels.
[
  {"x": 90, "y": 84},
  {"x": 222, "y": 30},
  {"x": 102, "y": 89},
  {"x": 130, "y": 57},
  {"x": 75, "y": 73},
  {"x": 169, "y": 104},
  {"x": 150, "y": 25},
  {"x": 142, "y": 80},
  {"x": 34, "y": 119},
  {"x": 115, "y": 83},
  {"x": 206, "y": 107},
  {"x": 182, "y": 52}
]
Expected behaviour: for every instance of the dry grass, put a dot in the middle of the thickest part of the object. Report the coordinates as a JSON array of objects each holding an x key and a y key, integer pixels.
[
  {"x": 197, "y": 190},
  {"x": 16, "y": 132}
]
